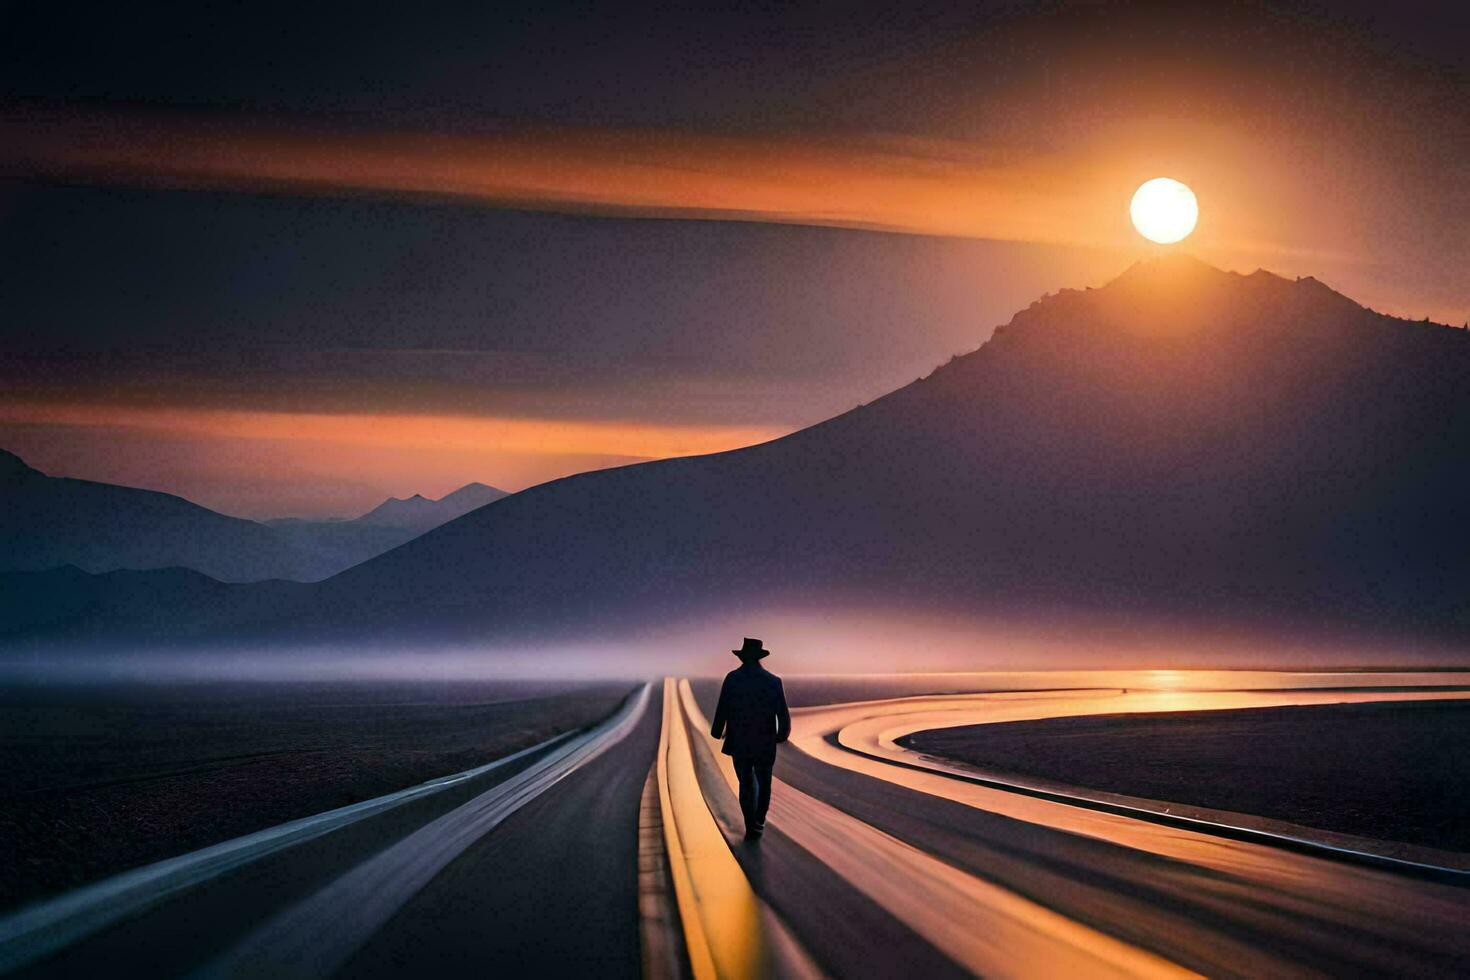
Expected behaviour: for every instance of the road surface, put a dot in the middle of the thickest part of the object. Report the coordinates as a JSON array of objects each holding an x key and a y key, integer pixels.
[{"x": 878, "y": 862}]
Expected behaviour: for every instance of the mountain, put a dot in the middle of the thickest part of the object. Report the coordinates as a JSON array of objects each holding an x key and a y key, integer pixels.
[
  {"x": 52, "y": 522},
  {"x": 1184, "y": 442},
  {"x": 342, "y": 544},
  {"x": 1183, "y": 445},
  {"x": 168, "y": 604},
  {"x": 47, "y": 522},
  {"x": 420, "y": 514}
]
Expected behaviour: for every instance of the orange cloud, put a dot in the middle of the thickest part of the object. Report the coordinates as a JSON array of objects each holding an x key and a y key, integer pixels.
[
  {"x": 271, "y": 464},
  {"x": 930, "y": 186},
  {"x": 465, "y": 435}
]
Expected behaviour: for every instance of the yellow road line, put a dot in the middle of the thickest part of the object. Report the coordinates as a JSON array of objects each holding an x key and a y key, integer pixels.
[
  {"x": 692, "y": 710},
  {"x": 723, "y": 928}
]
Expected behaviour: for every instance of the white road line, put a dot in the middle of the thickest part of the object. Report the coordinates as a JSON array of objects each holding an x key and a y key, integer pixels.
[
  {"x": 877, "y": 736},
  {"x": 317, "y": 935},
  {"x": 39, "y": 930}
]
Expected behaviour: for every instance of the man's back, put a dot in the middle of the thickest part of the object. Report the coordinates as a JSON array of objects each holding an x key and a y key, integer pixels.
[{"x": 752, "y": 714}]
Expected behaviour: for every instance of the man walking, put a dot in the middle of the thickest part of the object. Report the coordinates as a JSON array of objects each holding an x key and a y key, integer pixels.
[{"x": 752, "y": 718}]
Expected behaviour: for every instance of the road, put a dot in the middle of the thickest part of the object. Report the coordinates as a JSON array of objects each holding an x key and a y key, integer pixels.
[{"x": 878, "y": 862}]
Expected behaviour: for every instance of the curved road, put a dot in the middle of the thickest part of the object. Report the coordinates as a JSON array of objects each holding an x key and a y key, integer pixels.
[{"x": 1207, "y": 902}]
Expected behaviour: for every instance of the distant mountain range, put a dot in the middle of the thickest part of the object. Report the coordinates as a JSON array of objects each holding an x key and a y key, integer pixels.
[
  {"x": 419, "y": 514},
  {"x": 51, "y": 522},
  {"x": 1182, "y": 444},
  {"x": 342, "y": 544}
]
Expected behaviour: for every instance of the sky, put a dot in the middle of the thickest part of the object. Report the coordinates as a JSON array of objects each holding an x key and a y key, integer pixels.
[{"x": 289, "y": 261}]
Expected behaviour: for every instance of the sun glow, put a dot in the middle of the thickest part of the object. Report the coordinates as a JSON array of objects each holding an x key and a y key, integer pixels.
[{"x": 1164, "y": 210}]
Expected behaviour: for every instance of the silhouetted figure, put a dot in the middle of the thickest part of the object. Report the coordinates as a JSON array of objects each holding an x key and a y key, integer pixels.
[{"x": 752, "y": 718}]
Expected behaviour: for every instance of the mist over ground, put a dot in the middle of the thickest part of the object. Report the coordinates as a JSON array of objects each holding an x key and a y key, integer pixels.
[{"x": 816, "y": 642}]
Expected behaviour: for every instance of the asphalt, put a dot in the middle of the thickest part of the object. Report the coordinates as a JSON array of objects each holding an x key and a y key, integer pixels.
[{"x": 551, "y": 892}]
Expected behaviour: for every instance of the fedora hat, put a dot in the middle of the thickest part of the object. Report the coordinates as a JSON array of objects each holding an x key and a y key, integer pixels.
[{"x": 751, "y": 649}]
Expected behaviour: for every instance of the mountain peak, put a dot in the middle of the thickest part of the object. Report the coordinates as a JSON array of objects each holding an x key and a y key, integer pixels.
[
  {"x": 1179, "y": 299},
  {"x": 1181, "y": 279},
  {"x": 422, "y": 514},
  {"x": 475, "y": 491},
  {"x": 1169, "y": 265},
  {"x": 400, "y": 511},
  {"x": 12, "y": 467},
  {"x": 1189, "y": 279}
]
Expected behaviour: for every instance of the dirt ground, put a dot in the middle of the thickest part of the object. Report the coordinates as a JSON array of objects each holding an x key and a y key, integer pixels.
[
  {"x": 1389, "y": 771},
  {"x": 96, "y": 781}
]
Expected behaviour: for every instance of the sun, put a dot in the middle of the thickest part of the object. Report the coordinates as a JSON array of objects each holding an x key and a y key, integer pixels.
[{"x": 1164, "y": 210}]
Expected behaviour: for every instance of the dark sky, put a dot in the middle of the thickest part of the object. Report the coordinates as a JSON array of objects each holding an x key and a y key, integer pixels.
[
  {"x": 268, "y": 340},
  {"x": 891, "y": 67}
]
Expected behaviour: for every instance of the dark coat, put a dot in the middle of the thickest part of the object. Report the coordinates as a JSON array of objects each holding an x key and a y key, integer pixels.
[{"x": 751, "y": 715}]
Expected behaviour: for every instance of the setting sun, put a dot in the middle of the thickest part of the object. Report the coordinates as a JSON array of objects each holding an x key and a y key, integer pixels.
[{"x": 1164, "y": 210}]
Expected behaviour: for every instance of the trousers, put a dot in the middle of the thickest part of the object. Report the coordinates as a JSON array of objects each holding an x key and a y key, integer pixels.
[{"x": 754, "y": 773}]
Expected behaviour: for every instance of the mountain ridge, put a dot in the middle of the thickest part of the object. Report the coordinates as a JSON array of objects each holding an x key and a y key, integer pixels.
[
  {"x": 48, "y": 522},
  {"x": 52, "y": 522}
]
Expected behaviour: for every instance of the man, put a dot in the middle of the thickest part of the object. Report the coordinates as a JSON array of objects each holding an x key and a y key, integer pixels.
[{"x": 752, "y": 718}]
